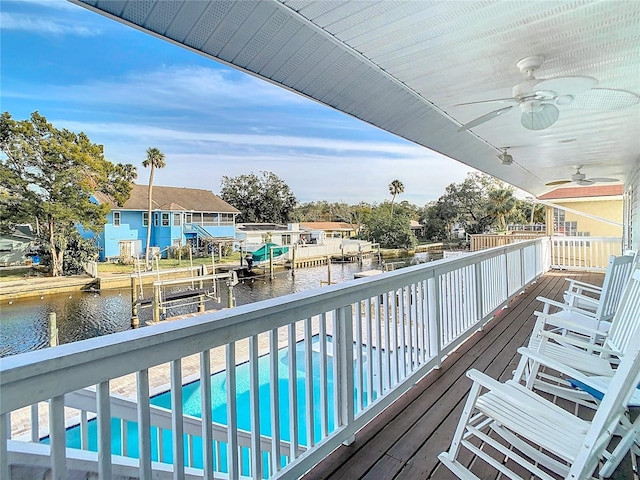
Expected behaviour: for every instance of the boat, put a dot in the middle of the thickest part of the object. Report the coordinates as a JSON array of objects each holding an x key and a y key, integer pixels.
[{"x": 263, "y": 253}]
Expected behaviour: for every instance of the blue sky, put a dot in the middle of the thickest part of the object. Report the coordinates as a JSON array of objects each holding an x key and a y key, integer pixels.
[{"x": 129, "y": 91}]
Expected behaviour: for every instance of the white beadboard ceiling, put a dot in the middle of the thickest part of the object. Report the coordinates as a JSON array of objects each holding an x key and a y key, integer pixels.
[{"x": 404, "y": 66}]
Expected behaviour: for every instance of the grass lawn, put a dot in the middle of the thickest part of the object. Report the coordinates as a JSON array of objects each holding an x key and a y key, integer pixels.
[{"x": 166, "y": 263}]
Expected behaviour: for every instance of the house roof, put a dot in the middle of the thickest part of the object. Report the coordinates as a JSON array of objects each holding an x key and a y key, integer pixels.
[
  {"x": 172, "y": 198},
  {"x": 328, "y": 226},
  {"x": 583, "y": 192}
]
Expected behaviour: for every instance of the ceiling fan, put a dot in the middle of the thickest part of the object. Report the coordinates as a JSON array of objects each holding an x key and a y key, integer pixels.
[
  {"x": 538, "y": 99},
  {"x": 581, "y": 179}
]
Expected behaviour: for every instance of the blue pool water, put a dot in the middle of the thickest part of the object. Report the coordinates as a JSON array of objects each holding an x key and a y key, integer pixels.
[{"x": 192, "y": 406}]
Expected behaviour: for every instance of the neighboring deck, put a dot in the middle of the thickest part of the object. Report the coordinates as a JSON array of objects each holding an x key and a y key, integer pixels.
[{"x": 404, "y": 441}]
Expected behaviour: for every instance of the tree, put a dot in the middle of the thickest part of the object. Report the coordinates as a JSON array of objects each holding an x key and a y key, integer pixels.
[
  {"x": 501, "y": 203},
  {"x": 391, "y": 231},
  {"x": 261, "y": 199},
  {"x": 395, "y": 188},
  {"x": 155, "y": 159},
  {"x": 468, "y": 203},
  {"x": 48, "y": 176}
]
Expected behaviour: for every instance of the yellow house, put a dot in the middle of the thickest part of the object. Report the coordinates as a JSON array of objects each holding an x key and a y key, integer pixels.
[{"x": 584, "y": 211}]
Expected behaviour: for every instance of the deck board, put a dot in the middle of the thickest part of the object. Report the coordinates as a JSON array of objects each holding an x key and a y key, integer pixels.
[{"x": 403, "y": 441}]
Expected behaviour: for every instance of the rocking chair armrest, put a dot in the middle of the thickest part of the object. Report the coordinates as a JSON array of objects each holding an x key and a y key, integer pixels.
[
  {"x": 573, "y": 282},
  {"x": 564, "y": 306},
  {"x": 580, "y": 343},
  {"x": 483, "y": 379},
  {"x": 582, "y": 298},
  {"x": 546, "y": 361},
  {"x": 573, "y": 326}
]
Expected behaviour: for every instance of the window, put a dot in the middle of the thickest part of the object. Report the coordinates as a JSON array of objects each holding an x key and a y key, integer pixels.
[
  {"x": 116, "y": 219},
  {"x": 208, "y": 219},
  {"x": 188, "y": 218},
  {"x": 155, "y": 219},
  {"x": 568, "y": 228},
  {"x": 176, "y": 219},
  {"x": 165, "y": 219},
  {"x": 226, "y": 219},
  {"x": 145, "y": 219}
]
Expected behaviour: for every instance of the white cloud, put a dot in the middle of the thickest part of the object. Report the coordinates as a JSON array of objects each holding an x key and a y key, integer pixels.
[
  {"x": 44, "y": 26},
  {"x": 172, "y": 88},
  {"x": 171, "y": 136}
]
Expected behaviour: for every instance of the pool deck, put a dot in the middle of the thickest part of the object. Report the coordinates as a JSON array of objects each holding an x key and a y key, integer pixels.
[{"x": 404, "y": 441}]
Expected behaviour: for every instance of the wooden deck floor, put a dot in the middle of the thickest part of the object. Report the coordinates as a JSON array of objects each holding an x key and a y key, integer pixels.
[{"x": 405, "y": 440}]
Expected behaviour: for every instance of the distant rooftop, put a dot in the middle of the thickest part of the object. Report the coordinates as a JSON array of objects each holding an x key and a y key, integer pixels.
[
  {"x": 172, "y": 198},
  {"x": 583, "y": 192},
  {"x": 328, "y": 226}
]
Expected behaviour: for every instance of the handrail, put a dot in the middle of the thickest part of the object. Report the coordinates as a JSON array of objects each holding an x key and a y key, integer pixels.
[{"x": 402, "y": 324}]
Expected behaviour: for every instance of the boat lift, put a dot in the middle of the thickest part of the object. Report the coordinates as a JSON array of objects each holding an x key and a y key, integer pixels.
[{"x": 199, "y": 290}]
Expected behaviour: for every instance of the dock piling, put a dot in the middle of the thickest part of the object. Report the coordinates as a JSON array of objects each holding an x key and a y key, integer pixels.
[
  {"x": 135, "y": 321},
  {"x": 53, "y": 330}
]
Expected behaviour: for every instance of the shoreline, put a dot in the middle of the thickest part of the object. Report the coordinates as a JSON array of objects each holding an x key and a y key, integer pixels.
[{"x": 38, "y": 286}]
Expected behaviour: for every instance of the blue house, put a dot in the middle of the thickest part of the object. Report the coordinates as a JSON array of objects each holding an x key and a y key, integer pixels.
[{"x": 180, "y": 216}]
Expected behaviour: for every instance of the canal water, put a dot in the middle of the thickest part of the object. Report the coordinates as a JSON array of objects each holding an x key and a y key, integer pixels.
[{"x": 24, "y": 324}]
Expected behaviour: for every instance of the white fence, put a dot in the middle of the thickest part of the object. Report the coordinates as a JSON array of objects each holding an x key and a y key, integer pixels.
[
  {"x": 584, "y": 253},
  {"x": 337, "y": 357}
]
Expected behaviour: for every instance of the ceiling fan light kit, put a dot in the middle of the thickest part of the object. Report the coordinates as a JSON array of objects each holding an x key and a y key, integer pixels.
[
  {"x": 538, "y": 98},
  {"x": 540, "y": 116}
]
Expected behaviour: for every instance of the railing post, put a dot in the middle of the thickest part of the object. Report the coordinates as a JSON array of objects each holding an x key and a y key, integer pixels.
[
  {"x": 103, "y": 400},
  {"x": 479, "y": 291},
  {"x": 5, "y": 432},
  {"x": 345, "y": 380},
  {"x": 57, "y": 438},
  {"x": 433, "y": 295}
]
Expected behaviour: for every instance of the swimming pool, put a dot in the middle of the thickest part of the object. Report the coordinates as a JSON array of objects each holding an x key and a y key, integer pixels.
[{"x": 162, "y": 450}]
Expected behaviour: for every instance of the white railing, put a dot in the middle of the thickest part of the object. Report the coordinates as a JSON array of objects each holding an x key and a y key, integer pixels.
[
  {"x": 584, "y": 253},
  {"x": 358, "y": 346}
]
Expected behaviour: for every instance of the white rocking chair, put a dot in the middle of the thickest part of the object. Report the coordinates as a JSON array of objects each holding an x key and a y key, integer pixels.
[
  {"x": 573, "y": 345},
  {"x": 587, "y": 296},
  {"x": 591, "y": 305},
  {"x": 542, "y": 437},
  {"x": 558, "y": 370}
]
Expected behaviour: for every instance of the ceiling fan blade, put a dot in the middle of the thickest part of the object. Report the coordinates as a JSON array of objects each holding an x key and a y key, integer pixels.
[
  {"x": 540, "y": 119},
  {"x": 557, "y": 182},
  {"x": 484, "y": 118},
  {"x": 567, "y": 85},
  {"x": 605, "y": 99},
  {"x": 493, "y": 100},
  {"x": 586, "y": 181},
  {"x": 603, "y": 179}
]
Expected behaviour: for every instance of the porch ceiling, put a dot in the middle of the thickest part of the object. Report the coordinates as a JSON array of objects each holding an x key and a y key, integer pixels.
[{"x": 404, "y": 67}]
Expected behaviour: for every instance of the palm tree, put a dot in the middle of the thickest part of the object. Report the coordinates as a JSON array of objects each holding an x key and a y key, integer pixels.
[
  {"x": 155, "y": 159},
  {"x": 395, "y": 188},
  {"x": 501, "y": 203}
]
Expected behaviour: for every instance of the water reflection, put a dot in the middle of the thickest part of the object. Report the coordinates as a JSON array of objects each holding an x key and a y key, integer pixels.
[{"x": 24, "y": 324}]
